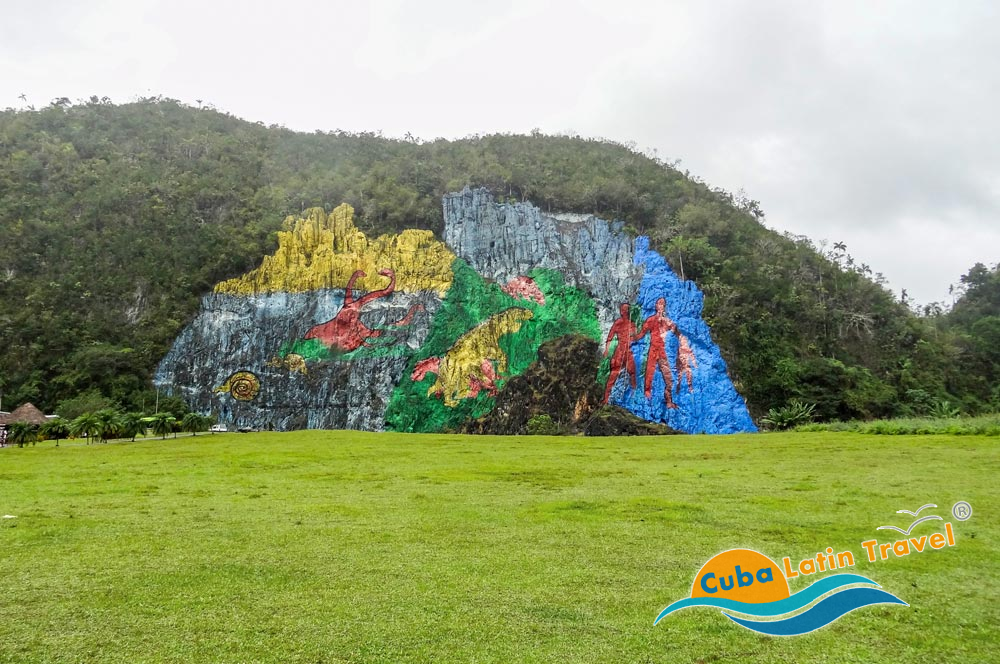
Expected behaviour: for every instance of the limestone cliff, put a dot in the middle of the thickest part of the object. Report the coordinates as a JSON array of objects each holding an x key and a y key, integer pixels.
[
  {"x": 254, "y": 333},
  {"x": 335, "y": 330},
  {"x": 502, "y": 241},
  {"x": 697, "y": 382},
  {"x": 319, "y": 251}
]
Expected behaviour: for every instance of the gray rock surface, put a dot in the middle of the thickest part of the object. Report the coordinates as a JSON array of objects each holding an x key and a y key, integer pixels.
[
  {"x": 234, "y": 333},
  {"x": 503, "y": 241}
]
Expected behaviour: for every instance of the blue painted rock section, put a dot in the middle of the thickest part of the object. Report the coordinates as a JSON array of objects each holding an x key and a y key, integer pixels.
[{"x": 712, "y": 404}]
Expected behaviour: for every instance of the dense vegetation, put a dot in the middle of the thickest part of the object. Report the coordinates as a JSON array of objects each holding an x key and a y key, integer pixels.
[
  {"x": 983, "y": 425},
  {"x": 105, "y": 425},
  {"x": 115, "y": 219}
]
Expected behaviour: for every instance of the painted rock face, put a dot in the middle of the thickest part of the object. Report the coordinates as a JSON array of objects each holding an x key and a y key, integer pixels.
[
  {"x": 336, "y": 330},
  {"x": 242, "y": 385}
]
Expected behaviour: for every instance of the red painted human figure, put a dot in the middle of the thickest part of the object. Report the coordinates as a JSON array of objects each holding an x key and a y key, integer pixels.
[
  {"x": 657, "y": 326},
  {"x": 624, "y": 330},
  {"x": 345, "y": 331},
  {"x": 686, "y": 363}
]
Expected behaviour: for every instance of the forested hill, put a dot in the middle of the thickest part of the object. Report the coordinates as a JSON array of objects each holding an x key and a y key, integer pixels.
[{"x": 115, "y": 219}]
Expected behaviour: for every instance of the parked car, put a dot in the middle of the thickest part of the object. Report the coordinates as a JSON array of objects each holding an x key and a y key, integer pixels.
[
  {"x": 247, "y": 430},
  {"x": 219, "y": 428}
]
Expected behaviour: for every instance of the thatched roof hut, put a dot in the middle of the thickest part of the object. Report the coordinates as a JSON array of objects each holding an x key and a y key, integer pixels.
[{"x": 24, "y": 413}]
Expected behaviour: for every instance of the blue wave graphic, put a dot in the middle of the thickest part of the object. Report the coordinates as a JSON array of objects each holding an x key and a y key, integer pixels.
[
  {"x": 795, "y": 602},
  {"x": 822, "y": 614}
]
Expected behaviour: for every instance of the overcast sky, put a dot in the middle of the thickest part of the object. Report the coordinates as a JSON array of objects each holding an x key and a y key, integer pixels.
[{"x": 870, "y": 123}]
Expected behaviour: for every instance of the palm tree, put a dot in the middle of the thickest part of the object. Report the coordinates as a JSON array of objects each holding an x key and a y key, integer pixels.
[
  {"x": 111, "y": 424},
  {"x": 21, "y": 433},
  {"x": 132, "y": 425},
  {"x": 163, "y": 423},
  {"x": 193, "y": 422},
  {"x": 56, "y": 430},
  {"x": 87, "y": 425}
]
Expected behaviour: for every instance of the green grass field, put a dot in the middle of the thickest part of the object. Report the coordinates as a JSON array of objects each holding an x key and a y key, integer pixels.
[{"x": 351, "y": 547}]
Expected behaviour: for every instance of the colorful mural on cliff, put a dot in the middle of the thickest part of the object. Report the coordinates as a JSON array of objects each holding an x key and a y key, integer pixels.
[
  {"x": 482, "y": 335},
  {"x": 406, "y": 332},
  {"x": 684, "y": 379},
  {"x": 325, "y": 326}
]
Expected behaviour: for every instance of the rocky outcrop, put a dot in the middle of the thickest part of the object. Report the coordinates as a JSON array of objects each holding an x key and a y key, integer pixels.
[
  {"x": 700, "y": 389},
  {"x": 482, "y": 338},
  {"x": 278, "y": 349},
  {"x": 559, "y": 384},
  {"x": 336, "y": 330},
  {"x": 502, "y": 241},
  {"x": 252, "y": 333},
  {"x": 615, "y": 421},
  {"x": 320, "y": 251}
]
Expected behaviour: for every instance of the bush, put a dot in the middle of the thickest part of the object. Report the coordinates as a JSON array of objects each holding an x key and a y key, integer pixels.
[
  {"x": 611, "y": 420},
  {"x": 542, "y": 425},
  {"x": 944, "y": 410},
  {"x": 788, "y": 416},
  {"x": 986, "y": 425}
]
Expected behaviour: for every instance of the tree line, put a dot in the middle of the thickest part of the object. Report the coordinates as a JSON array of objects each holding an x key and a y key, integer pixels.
[
  {"x": 105, "y": 425},
  {"x": 116, "y": 219}
]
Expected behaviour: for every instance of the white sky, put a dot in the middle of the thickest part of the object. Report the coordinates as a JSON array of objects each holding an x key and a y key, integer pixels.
[{"x": 872, "y": 123}]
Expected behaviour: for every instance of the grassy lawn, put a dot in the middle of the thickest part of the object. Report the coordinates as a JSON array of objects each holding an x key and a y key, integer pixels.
[{"x": 351, "y": 547}]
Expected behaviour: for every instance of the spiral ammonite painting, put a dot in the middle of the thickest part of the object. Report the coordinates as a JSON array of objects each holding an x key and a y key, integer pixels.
[{"x": 242, "y": 385}]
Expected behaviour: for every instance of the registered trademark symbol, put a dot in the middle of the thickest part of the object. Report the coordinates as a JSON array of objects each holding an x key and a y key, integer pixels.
[{"x": 961, "y": 510}]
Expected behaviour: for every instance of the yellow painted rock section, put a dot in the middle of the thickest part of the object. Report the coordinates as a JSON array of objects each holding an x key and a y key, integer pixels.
[
  {"x": 293, "y": 362},
  {"x": 465, "y": 358},
  {"x": 322, "y": 250}
]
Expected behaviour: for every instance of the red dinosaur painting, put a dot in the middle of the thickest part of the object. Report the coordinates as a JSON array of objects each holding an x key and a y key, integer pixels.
[{"x": 345, "y": 331}]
